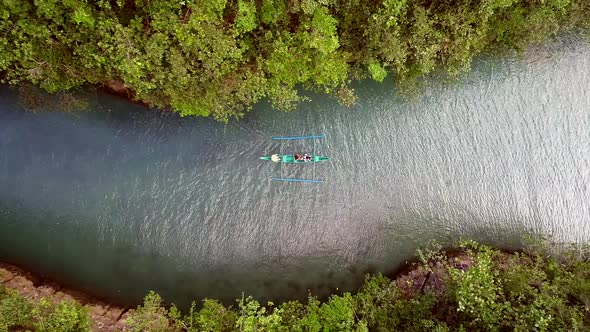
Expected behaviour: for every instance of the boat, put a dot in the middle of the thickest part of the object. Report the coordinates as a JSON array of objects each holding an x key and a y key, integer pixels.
[
  {"x": 290, "y": 159},
  {"x": 310, "y": 158}
]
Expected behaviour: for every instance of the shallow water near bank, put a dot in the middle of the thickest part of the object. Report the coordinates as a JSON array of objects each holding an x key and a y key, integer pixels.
[{"x": 120, "y": 199}]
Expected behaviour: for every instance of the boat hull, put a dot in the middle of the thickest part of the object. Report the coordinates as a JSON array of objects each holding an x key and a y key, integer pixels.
[{"x": 290, "y": 159}]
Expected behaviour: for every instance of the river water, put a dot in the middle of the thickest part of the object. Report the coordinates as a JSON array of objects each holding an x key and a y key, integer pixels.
[{"x": 121, "y": 199}]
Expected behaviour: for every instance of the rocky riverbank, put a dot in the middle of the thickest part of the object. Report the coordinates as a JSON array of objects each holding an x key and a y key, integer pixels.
[
  {"x": 412, "y": 280},
  {"x": 105, "y": 317},
  {"x": 473, "y": 287}
]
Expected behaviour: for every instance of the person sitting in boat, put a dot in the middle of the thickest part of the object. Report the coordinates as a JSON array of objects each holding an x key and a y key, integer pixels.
[
  {"x": 298, "y": 157},
  {"x": 306, "y": 157}
]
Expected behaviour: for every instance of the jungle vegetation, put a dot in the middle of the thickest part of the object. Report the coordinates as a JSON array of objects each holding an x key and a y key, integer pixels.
[
  {"x": 475, "y": 288},
  {"x": 218, "y": 57}
]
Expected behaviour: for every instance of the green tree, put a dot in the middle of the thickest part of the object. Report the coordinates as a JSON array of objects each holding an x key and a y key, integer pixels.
[{"x": 151, "y": 316}]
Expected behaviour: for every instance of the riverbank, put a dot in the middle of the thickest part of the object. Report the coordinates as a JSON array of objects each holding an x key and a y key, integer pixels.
[
  {"x": 472, "y": 287},
  {"x": 218, "y": 60},
  {"x": 110, "y": 317},
  {"x": 104, "y": 317}
]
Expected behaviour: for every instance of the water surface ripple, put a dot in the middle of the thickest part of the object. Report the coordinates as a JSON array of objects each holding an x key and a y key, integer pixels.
[{"x": 121, "y": 200}]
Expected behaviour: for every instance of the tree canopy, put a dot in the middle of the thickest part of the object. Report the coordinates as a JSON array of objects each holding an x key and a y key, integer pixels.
[{"x": 218, "y": 57}]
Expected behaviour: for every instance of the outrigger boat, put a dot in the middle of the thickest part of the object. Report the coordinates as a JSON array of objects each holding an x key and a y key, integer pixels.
[
  {"x": 296, "y": 158},
  {"x": 293, "y": 158}
]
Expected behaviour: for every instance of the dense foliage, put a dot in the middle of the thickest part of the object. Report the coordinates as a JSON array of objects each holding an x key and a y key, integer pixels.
[
  {"x": 20, "y": 314},
  {"x": 217, "y": 57},
  {"x": 496, "y": 292}
]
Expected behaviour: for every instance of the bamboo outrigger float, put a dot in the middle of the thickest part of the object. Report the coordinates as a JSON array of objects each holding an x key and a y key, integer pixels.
[{"x": 296, "y": 158}]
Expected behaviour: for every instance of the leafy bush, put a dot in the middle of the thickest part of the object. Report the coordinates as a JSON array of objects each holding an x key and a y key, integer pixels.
[
  {"x": 152, "y": 316},
  {"x": 254, "y": 317},
  {"x": 477, "y": 293},
  {"x": 213, "y": 316},
  {"x": 15, "y": 311},
  {"x": 66, "y": 316},
  {"x": 18, "y": 313}
]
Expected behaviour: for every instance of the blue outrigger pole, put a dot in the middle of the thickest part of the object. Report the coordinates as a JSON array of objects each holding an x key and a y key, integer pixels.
[
  {"x": 296, "y": 180},
  {"x": 284, "y": 138}
]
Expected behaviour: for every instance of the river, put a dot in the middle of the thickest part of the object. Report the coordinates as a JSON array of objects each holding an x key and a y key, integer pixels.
[{"x": 120, "y": 199}]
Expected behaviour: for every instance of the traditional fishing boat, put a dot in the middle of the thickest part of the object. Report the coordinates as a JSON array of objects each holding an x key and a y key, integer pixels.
[{"x": 296, "y": 158}]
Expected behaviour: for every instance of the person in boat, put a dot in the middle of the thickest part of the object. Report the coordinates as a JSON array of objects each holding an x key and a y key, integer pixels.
[
  {"x": 298, "y": 157},
  {"x": 306, "y": 157}
]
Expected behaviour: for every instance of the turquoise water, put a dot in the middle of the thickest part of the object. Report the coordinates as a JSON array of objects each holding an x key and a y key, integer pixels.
[{"x": 121, "y": 199}]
